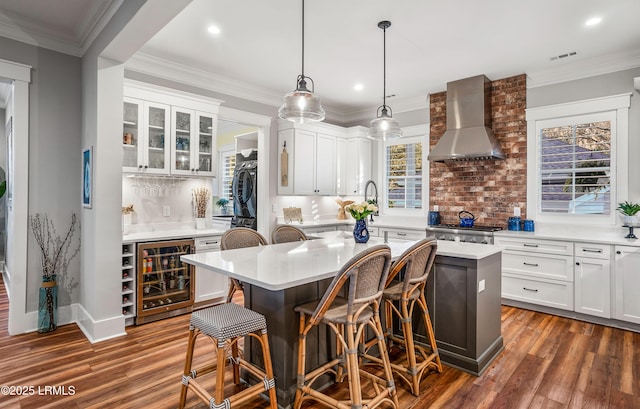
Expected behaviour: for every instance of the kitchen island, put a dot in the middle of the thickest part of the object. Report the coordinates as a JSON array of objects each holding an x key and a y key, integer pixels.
[{"x": 279, "y": 277}]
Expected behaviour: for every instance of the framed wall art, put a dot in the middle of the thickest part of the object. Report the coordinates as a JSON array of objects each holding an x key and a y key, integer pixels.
[{"x": 87, "y": 165}]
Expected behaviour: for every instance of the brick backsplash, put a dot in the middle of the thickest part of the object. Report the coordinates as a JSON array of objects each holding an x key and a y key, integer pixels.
[{"x": 489, "y": 189}]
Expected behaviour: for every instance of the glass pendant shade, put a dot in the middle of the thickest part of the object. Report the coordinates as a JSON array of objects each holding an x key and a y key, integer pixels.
[
  {"x": 384, "y": 127},
  {"x": 301, "y": 105}
]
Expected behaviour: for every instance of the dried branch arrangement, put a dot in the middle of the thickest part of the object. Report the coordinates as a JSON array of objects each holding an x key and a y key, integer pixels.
[
  {"x": 201, "y": 196},
  {"x": 127, "y": 209},
  {"x": 55, "y": 251}
]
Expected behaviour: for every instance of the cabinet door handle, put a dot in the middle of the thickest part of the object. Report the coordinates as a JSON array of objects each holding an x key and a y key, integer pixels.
[
  {"x": 529, "y": 245},
  {"x": 618, "y": 252},
  {"x": 577, "y": 263},
  {"x": 401, "y": 234},
  {"x": 592, "y": 250},
  {"x": 210, "y": 242},
  {"x": 530, "y": 289},
  {"x": 530, "y": 264}
]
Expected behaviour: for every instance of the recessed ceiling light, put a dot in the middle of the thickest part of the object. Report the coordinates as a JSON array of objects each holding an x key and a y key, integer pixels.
[
  {"x": 358, "y": 87},
  {"x": 593, "y": 21},
  {"x": 213, "y": 30}
]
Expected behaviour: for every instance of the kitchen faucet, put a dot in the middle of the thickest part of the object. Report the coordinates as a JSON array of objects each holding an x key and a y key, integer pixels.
[{"x": 375, "y": 197}]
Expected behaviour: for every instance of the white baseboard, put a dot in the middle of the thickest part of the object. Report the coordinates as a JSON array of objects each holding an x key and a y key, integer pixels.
[
  {"x": 102, "y": 330},
  {"x": 95, "y": 331}
]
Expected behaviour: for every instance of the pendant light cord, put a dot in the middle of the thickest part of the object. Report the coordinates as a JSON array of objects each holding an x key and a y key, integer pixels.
[
  {"x": 302, "y": 39},
  {"x": 384, "y": 66}
]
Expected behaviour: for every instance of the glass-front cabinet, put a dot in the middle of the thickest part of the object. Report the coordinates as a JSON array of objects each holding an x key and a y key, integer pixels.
[
  {"x": 193, "y": 142},
  {"x": 165, "y": 284},
  {"x": 144, "y": 138}
]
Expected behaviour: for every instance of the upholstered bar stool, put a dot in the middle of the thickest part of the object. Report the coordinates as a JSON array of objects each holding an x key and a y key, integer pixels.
[
  {"x": 363, "y": 277},
  {"x": 225, "y": 324},
  {"x": 285, "y": 234},
  {"x": 236, "y": 238},
  {"x": 400, "y": 299}
]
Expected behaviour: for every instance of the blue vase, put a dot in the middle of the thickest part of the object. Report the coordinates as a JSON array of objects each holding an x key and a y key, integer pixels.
[
  {"x": 360, "y": 231},
  {"x": 48, "y": 305}
]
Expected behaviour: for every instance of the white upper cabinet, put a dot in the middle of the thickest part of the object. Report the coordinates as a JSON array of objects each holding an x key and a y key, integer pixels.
[
  {"x": 144, "y": 142},
  {"x": 168, "y": 131},
  {"x": 192, "y": 139},
  {"x": 358, "y": 165},
  {"x": 307, "y": 158}
]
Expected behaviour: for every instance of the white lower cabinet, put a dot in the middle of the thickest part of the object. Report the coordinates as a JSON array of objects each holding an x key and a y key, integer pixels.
[
  {"x": 538, "y": 271},
  {"x": 402, "y": 234},
  {"x": 627, "y": 283},
  {"x": 593, "y": 279},
  {"x": 209, "y": 285},
  {"x": 542, "y": 291}
]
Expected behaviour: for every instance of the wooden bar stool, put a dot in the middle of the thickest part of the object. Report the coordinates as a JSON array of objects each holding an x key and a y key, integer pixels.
[
  {"x": 400, "y": 298},
  {"x": 226, "y": 324},
  {"x": 285, "y": 234},
  {"x": 236, "y": 238},
  {"x": 364, "y": 277}
]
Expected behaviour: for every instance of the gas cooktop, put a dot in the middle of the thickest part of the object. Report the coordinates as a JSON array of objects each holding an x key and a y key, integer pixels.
[{"x": 457, "y": 227}]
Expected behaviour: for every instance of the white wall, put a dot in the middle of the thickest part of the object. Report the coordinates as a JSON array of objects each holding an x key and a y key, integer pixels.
[
  {"x": 149, "y": 196},
  {"x": 600, "y": 86}
]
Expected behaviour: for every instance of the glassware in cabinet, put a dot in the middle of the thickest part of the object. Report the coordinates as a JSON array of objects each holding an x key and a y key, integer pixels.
[{"x": 165, "y": 283}]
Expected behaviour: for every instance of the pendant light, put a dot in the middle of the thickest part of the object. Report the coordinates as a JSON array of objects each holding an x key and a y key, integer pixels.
[
  {"x": 301, "y": 105},
  {"x": 384, "y": 126}
]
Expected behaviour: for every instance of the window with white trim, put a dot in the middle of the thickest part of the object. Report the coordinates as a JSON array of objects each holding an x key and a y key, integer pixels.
[
  {"x": 227, "y": 167},
  {"x": 577, "y": 160},
  {"x": 403, "y": 176}
]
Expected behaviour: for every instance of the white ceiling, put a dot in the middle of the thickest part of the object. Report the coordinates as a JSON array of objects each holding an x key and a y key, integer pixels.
[{"x": 257, "y": 55}]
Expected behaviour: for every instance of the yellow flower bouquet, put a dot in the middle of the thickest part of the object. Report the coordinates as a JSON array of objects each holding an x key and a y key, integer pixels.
[{"x": 360, "y": 211}]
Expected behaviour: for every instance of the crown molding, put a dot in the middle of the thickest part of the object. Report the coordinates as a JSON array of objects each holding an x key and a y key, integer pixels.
[
  {"x": 49, "y": 37},
  {"x": 585, "y": 68}
]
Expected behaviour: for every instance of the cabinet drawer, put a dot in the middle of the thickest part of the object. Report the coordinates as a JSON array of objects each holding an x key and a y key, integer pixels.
[
  {"x": 535, "y": 245},
  {"x": 590, "y": 250},
  {"x": 538, "y": 265},
  {"x": 391, "y": 234},
  {"x": 312, "y": 230},
  {"x": 207, "y": 243},
  {"x": 556, "y": 294}
]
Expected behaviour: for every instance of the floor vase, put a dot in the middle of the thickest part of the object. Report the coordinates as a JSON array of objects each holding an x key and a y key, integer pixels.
[
  {"x": 360, "y": 231},
  {"x": 48, "y": 305}
]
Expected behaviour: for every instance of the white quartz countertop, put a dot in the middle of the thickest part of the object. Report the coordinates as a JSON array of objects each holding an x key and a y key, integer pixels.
[
  {"x": 410, "y": 223},
  {"x": 579, "y": 233},
  {"x": 169, "y": 234},
  {"x": 286, "y": 265}
]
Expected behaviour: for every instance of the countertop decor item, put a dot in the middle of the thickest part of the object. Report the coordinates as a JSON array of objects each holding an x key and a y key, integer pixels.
[
  {"x": 127, "y": 215},
  {"x": 384, "y": 126},
  {"x": 342, "y": 215},
  {"x": 201, "y": 197},
  {"x": 360, "y": 211},
  {"x": 629, "y": 213},
  {"x": 301, "y": 105},
  {"x": 292, "y": 214},
  {"x": 223, "y": 204},
  {"x": 55, "y": 254}
]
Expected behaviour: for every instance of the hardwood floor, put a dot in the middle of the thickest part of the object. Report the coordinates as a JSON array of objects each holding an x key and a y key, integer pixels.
[{"x": 548, "y": 362}]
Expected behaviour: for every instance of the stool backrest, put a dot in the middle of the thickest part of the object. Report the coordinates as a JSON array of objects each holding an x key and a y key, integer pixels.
[
  {"x": 285, "y": 234},
  {"x": 417, "y": 261},
  {"x": 240, "y": 237},
  {"x": 365, "y": 274}
]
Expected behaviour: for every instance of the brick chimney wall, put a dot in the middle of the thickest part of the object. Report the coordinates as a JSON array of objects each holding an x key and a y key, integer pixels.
[{"x": 489, "y": 189}]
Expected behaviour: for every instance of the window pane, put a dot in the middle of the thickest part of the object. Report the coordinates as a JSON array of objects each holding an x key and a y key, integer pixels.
[
  {"x": 575, "y": 168},
  {"x": 404, "y": 176},
  {"x": 228, "y": 167}
]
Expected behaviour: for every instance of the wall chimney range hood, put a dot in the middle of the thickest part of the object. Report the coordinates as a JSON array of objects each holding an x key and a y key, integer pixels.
[{"x": 468, "y": 135}]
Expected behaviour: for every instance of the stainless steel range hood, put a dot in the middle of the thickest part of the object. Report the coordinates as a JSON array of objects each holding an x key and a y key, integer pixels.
[{"x": 468, "y": 135}]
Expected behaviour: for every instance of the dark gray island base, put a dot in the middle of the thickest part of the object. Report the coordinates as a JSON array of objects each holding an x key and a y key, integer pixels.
[{"x": 466, "y": 320}]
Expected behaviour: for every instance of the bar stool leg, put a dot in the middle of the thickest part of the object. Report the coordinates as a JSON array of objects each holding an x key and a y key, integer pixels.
[
  {"x": 386, "y": 362},
  {"x": 268, "y": 369},
  {"x": 302, "y": 347},
  {"x": 353, "y": 368},
  {"x": 187, "y": 366},
  {"x": 430, "y": 333},
  {"x": 219, "y": 395},
  {"x": 236, "y": 367}
]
